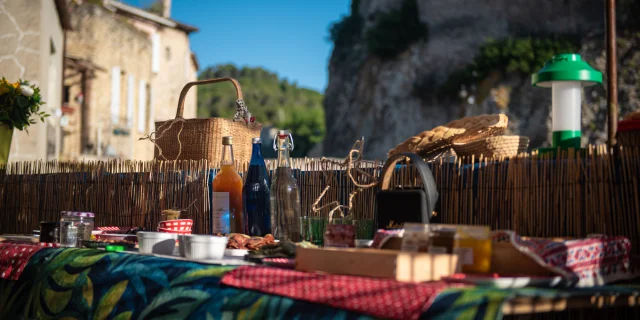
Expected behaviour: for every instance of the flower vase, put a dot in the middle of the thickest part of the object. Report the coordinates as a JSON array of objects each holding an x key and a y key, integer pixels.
[{"x": 6, "y": 133}]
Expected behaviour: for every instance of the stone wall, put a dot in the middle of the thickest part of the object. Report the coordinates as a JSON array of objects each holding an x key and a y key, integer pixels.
[
  {"x": 32, "y": 47},
  {"x": 176, "y": 69},
  {"x": 375, "y": 98},
  {"x": 107, "y": 40},
  {"x": 111, "y": 40}
]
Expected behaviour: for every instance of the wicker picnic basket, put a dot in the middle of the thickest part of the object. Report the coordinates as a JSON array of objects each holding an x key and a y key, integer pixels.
[{"x": 201, "y": 139}]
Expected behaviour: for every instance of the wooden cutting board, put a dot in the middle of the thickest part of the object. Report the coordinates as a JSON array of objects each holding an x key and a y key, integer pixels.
[{"x": 390, "y": 264}]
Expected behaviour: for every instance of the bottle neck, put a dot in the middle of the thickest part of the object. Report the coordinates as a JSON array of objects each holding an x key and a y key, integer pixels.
[
  {"x": 256, "y": 155},
  {"x": 227, "y": 155},
  {"x": 283, "y": 153}
]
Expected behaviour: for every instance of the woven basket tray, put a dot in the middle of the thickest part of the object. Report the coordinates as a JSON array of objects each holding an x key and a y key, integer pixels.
[
  {"x": 499, "y": 146},
  {"x": 201, "y": 139},
  {"x": 442, "y": 137}
]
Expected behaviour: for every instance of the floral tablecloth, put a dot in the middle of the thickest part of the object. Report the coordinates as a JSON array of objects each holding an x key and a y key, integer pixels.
[{"x": 93, "y": 284}]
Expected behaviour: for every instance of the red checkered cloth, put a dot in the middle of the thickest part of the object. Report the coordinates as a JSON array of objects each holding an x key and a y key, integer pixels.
[
  {"x": 377, "y": 297},
  {"x": 14, "y": 257},
  {"x": 382, "y": 236},
  {"x": 595, "y": 260},
  {"x": 115, "y": 230}
]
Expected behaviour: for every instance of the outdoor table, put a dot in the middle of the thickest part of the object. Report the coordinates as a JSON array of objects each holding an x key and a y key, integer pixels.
[{"x": 88, "y": 283}]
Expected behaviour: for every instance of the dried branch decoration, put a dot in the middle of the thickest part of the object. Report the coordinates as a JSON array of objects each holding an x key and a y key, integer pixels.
[{"x": 350, "y": 164}]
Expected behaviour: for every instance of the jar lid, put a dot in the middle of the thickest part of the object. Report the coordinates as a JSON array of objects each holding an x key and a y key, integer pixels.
[{"x": 77, "y": 214}]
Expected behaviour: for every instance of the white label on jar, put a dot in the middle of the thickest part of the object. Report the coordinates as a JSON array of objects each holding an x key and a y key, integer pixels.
[
  {"x": 436, "y": 250},
  {"x": 220, "y": 212},
  {"x": 466, "y": 255}
]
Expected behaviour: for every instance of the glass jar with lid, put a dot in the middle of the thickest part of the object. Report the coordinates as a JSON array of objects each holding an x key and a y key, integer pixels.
[
  {"x": 83, "y": 221},
  {"x": 471, "y": 243}
]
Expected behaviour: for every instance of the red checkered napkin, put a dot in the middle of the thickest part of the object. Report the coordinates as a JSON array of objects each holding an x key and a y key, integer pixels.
[
  {"x": 377, "y": 297},
  {"x": 14, "y": 257}
]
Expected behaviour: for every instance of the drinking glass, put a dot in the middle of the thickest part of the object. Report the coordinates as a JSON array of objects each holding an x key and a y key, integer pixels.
[{"x": 316, "y": 226}]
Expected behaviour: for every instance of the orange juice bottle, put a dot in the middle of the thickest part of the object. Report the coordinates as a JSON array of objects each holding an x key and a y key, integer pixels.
[{"x": 227, "y": 194}]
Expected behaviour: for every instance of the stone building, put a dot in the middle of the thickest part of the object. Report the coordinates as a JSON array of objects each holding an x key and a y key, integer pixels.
[
  {"x": 124, "y": 70},
  {"x": 32, "y": 48}
]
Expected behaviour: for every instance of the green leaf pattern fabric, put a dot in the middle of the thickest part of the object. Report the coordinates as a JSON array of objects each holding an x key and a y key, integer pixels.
[{"x": 91, "y": 284}]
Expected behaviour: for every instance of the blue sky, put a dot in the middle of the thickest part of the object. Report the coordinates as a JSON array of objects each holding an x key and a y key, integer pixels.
[{"x": 288, "y": 37}]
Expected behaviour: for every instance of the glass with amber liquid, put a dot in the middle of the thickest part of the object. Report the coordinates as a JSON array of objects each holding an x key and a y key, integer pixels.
[{"x": 227, "y": 194}]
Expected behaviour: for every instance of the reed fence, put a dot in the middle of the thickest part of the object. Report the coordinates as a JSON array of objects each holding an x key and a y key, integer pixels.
[{"x": 571, "y": 195}]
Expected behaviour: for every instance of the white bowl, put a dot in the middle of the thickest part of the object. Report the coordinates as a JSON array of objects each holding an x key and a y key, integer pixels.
[
  {"x": 181, "y": 245},
  {"x": 156, "y": 242},
  {"x": 202, "y": 247}
]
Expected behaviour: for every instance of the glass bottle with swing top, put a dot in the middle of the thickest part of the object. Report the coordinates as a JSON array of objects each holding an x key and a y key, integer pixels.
[{"x": 285, "y": 195}]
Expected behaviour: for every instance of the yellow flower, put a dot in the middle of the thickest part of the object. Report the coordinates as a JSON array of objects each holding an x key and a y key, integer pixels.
[
  {"x": 3, "y": 89},
  {"x": 16, "y": 85}
]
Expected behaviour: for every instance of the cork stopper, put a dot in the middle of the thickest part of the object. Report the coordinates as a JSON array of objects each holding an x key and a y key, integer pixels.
[{"x": 227, "y": 141}]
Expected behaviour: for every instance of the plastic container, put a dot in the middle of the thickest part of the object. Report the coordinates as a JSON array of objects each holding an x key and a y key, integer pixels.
[
  {"x": 179, "y": 224},
  {"x": 174, "y": 231},
  {"x": 566, "y": 102},
  {"x": 156, "y": 243},
  {"x": 83, "y": 221},
  {"x": 202, "y": 247}
]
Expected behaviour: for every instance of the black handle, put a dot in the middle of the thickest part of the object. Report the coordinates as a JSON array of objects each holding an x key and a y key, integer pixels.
[{"x": 429, "y": 184}]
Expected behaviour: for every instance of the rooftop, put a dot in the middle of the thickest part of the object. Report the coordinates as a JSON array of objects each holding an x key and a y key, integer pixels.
[{"x": 142, "y": 14}]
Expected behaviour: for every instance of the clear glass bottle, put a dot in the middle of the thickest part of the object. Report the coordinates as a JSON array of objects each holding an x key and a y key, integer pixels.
[
  {"x": 285, "y": 195},
  {"x": 255, "y": 194},
  {"x": 227, "y": 194},
  {"x": 68, "y": 234},
  {"x": 83, "y": 223}
]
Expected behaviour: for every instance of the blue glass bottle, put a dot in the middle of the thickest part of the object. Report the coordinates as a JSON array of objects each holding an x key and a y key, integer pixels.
[{"x": 255, "y": 194}]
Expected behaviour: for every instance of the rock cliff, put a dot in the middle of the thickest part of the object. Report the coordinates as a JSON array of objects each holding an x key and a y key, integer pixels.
[{"x": 389, "y": 98}]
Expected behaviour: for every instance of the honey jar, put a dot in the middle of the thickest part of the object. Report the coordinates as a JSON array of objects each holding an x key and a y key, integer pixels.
[{"x": 471, "y": 243}]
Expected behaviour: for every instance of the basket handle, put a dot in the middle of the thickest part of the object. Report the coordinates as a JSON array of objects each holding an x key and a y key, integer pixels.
[{"x": 188, "y": 86}]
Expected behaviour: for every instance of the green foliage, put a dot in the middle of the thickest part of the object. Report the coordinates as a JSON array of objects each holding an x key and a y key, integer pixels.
[
  {"x": 348, "y": 29},
  {"x": 345, "y": 33},
  {"x": 271, "y": 100},
  {"x": 395, "y": 31},
  {"x": 308, "y": 128},
  {"x": 19, "y": 104},
  {"x": 522, "y": 56}
]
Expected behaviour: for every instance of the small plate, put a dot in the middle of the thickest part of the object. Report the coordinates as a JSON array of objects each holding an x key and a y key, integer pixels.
[
  {"x": 363, "y": 243},
  {"x": 235, "y": 252},
  {"x": 504, "y": 282}
]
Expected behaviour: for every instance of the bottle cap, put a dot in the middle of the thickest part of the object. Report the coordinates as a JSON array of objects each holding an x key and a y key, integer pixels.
[
  {"x": 227, "y": 141},
  {"x": 256, "y": 140}
]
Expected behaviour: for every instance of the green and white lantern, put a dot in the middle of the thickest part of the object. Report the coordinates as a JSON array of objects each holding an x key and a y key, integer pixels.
[{"x": 566, "y": 74}]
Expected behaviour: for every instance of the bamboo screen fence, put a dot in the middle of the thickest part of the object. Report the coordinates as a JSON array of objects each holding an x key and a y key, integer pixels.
[{"x": 573, "y": 195}]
